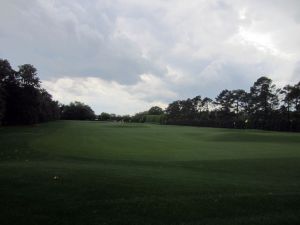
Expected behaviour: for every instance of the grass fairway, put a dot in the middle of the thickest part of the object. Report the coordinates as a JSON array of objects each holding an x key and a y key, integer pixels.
[{"x": 89, "y": 173}]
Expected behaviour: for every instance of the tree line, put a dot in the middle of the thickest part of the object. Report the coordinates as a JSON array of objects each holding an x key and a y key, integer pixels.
[
  {"x": 23, "y": 101},
  {"x": 264, "y": 107},
  {"x": 154, "y": 115}
]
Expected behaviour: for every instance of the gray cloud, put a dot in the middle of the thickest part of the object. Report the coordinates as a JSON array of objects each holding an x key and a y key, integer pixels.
[{"x": 185, "y": 48}]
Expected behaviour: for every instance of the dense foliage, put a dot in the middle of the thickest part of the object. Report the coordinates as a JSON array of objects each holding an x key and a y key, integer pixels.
[
  {"x": 154, "y": 115},
  {"x": 77, "y": 111},
  {"x": 157, "y": 119},
  {"x": 264, "y": 107},
  {"x": 113, "y": 117},
  {"x": 22, "y": 100},
  {"x": 155, "y": 110}
]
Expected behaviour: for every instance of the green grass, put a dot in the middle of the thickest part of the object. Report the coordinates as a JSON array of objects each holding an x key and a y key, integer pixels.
[{"x": 110, "y": 173}]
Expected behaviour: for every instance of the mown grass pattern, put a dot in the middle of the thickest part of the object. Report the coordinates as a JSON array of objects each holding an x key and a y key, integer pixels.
[{"x": 72, "y": 172}]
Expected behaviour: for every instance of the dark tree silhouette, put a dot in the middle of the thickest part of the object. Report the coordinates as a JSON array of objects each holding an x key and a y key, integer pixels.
[
  {"x": 287, "y": 99},
  {"x": 225, "y": 101},
  {"x": 259, "y": 109},
  {"x": 6, "y": 72},
  {"x": 263, "y": 96},
  {"x": 22, "y": 101},
  {"x": 2, "y": 103},
  {"x": 104, "y": 116},
  {"x": 239, "y": 100},
  {"x": 139, "y": 117},
  {"x": 155, "y": 110},
  {"x": 28, "y": 76},
  {"x": 295, "y": 96},
  {"x": 174, "y": 111},
  {"x": 263, "y": 101},
  {"x": 77, "y": 111}
]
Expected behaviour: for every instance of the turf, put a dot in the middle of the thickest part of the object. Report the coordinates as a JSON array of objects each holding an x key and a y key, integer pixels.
[{"x": 88, "y": 173}]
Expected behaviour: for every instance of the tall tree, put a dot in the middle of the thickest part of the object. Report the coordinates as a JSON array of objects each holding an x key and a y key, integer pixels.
[
  {"x": 174, "y": 110},
  {"x": 104, "y": 116},
  {"x": 29, "y": 101},
  {"x": 295, "y": 96},
  {"x": 225, "y": 101},
  {"x": 155, "y": 110},
  {"x": 24, "y": 101},
  {"x": 287, "y": 99},
  {"x": 10, "y": 91},
  {"x": 264, "y": 96},
  {"x": 48, "y": 109},
  {"x": 197, "y": 104},
  {"x": 2, "y": 103},
  {"x": 239, "y": 100},
  {"x": 28, "y": 75},
  {"x": 77, "y": 111},
  {"x": 5, "y": 71},
  {"x": 206, "y": 103},
  {"x": 263, "y": 101},
  {"x": 188, "y": 109}
]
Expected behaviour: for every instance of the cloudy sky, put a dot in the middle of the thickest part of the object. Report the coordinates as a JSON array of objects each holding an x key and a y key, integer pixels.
[{"x": 123, "y": 56}]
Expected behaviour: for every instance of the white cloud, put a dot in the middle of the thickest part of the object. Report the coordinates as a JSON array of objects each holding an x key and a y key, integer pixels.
[
  {"x": 151, "y": 51},
  {"x": 110, "y": 96}
]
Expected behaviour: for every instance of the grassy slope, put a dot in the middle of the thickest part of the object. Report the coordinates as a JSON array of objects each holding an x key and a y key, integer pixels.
[{"x": 147, "y": 174}]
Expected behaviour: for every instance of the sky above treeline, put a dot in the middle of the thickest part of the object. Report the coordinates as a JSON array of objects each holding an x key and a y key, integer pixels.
[{"x": 123, "y": 56}]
